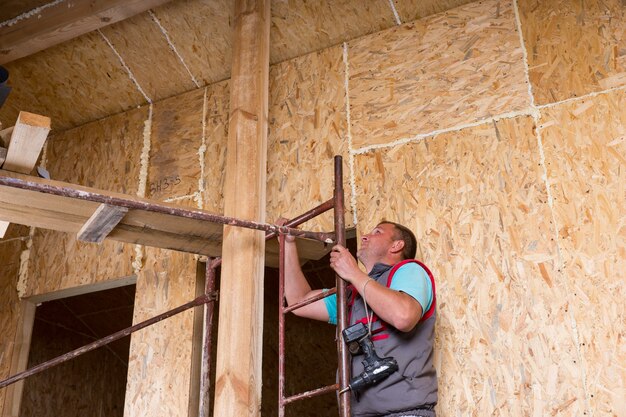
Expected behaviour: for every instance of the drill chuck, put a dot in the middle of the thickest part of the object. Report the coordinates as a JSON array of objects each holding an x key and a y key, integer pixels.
[{"x": 374, "y": 373}]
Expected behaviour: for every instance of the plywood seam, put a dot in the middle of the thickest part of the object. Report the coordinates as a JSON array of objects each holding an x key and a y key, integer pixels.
[
  {"x": 395, "y": 13},
  {"x": 536, "y": 114},
  {"x": 202, "y": 149},
  {"x": 579, "y": 98},
  {"x": 30, "y": 13},
  {"x": 23, "y": 238},
  {"x": 346, "y": 84},
  {"x": 144, "y": 161},
  {"x": 421, "y": 136},
  {"x": 182, "y": 197},
  {"x": 173, "y": 47},
  {"x": 130, "y": 73},
  {"x": 22, "y": 281}
]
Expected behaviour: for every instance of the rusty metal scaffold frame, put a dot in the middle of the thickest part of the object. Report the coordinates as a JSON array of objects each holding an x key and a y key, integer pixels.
[{"x": 210, "y": 294}]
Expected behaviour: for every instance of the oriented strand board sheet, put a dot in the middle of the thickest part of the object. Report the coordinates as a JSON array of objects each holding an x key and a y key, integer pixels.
[
  {"x": 478, "y": 205},
  {"x": 308, "y": 127},
  {"x": 146, "y": 52},
  {"x": 300, "y": 27},
  {"x": 409, "y": 10},
  {"x": 159, "y": 367},
  {"x": 439, "y": 72},
  {"x": 202, "y": 32},
  {"x": 585, "y": 148},
  {"x": 103, "y": 154},
  {"x": 176, "y": 136},
  {"x": 574, "y": 47},
  {"x": 215, "y": 142},
  {"x": 72, "y": 83}
]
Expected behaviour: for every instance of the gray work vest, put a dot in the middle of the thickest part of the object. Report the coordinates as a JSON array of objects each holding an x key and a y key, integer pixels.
[{"x": 414, "y": 385}]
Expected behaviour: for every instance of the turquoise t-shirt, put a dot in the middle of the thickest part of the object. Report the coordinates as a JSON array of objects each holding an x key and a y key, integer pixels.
[{"x": 410, "y": 278}]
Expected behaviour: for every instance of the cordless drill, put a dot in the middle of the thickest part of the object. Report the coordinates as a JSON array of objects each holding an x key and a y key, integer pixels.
[{"x": 375, "y": 368}]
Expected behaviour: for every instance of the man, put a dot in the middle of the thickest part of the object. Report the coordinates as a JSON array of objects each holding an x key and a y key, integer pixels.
[{"x": 400, "y": 295}]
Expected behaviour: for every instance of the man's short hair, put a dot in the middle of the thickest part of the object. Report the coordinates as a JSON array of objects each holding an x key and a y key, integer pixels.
[{"x": 404, "y": 233}]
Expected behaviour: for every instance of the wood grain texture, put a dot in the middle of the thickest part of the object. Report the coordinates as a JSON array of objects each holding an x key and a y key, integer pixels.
[
  {"x": 409, "y": 10},
  {"x": 585, "y": 145},
  {"x": 202, "y": 32},
  {"x": 63, "y": 21},
  {"x": 574, "y": 47},
  {"x": 13, "y": 8},
  {"x": 26, "y": 142},
  {"x": 159, "y": 365},
  {"x": 80, "y": 74},
  {"x": 103, "y": 154},
  {"x": 238, "y": 376},
  {"x": 101, "y": 222},
  {"x": 439, "y": 72},
  {"x": 478, "y": 205},
  {"x": 143, "y": 47},
  {"x": 307, "y": 121},
  {"x": 215, "y": 143},
  {"x": 176, "y": 138},
  {"x": 299, "y": 28}
]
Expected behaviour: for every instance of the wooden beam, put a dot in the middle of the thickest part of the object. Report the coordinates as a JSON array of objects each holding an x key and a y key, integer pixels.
[
  {"x": 240, "y": 335},
  {"x": 64, "y": 21},
  {"x": 101, "y": 223},
  {"x": 159, "y": 229},
  {"x": 27, "y": 139}
]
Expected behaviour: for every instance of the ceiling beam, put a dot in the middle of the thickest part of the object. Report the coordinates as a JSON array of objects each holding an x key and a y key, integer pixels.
[{"x": 33, "y": 32}]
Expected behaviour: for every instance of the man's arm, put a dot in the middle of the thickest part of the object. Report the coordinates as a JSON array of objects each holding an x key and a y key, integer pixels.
[
  {"x": 394, "y": 307},
  {"x": 297, "y": 288}
]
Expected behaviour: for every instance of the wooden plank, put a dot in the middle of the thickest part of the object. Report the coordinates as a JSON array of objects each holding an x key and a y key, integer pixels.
[
  {"x": 240, "y": 336},
  {"x": 101, "y": 223},
  {"x": 167, "y": 231},
  {"x": 27, "y": 139},
  {"x": 61, "y": 22}
]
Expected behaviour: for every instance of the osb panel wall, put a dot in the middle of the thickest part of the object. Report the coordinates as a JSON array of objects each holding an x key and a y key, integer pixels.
[
  {"x": 10, "y": 312},
  {"x": 585, "y": 149},
  {"x": 478, "y": 204},
  {"x": 215, "y": 139},
  {"x": 307, "y": 127},
  {"x": 159, "y": 368},
  {"x": 104, "y": 155},
  {"x": 439, "y": 72},
  {"x": 174, "y": 167},
  {"x": 574, "y": 47}
]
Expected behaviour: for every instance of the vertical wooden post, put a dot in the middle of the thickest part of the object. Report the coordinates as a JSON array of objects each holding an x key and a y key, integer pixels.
[{"x": 240, "y": 332}]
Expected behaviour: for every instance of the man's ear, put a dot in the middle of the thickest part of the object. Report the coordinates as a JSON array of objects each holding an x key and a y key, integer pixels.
[{"x": 397, "y": 246}]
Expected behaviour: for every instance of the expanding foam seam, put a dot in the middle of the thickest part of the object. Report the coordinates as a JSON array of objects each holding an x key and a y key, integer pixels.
[
  {"x": 30, "y": 13},
  {"x": 193, "y": 196},
  {"x": 536, "y": 117},
  {"x": 349, "y": 131},
  {"x": 202, "y": 149},
  {"x": 130, "y": 73},
  {"x": 172, "y": 46},
  {"x": 395, "y": 13},
  {"x": 579, "y": 98}
]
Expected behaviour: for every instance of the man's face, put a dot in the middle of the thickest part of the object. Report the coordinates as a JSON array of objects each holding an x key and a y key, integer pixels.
[{"x": 375, "y": 245}]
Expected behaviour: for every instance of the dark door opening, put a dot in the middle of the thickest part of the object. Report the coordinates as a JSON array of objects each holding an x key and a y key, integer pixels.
[{"x": 94, "y": 383}]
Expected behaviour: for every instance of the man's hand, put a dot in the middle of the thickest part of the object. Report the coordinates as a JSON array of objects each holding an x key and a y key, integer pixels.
[
  {"x": 281, "y": 222},
  {"x": 344, "y": 264}
]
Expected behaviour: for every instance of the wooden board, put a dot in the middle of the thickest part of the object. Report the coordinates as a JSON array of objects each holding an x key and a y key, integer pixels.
[
  {"x": 308, "y": 126},
  {"x": 440, "y": 72},
  {"x": 477, "y": 202},
  {"x": 574, "y": 48},
  {"x": 68, "y": 214},
  {"x": 27, "y": 139},
  {"x": 585, "y": 149},
  {"x": 174, "y": 164},
  {"x": 159, "y": 366},
  {"x": 61, "y": 22}
]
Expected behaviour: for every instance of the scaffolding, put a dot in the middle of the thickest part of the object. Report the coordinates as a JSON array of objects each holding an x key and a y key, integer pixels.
[{"x": 116, "y": 227}]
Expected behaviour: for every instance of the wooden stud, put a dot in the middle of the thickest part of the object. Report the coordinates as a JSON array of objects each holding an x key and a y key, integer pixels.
[
  {"x": 100, "y": 224},
  {"x": 60, "y": 23},
  {"x": 240, "y": 335},
  {"x": 27, "y": 139}
]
